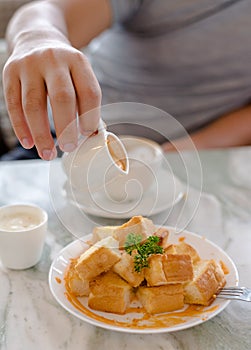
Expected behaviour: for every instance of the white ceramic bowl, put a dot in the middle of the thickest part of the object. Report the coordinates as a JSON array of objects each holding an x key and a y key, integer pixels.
[{"x": 22, "y": 233}]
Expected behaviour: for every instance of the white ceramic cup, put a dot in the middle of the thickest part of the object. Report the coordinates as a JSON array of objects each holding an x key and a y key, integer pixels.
[
  {"x": 145, "y": 159},
  {"x": 97, "y": 160},
  {"x": 22, "y": 235}
]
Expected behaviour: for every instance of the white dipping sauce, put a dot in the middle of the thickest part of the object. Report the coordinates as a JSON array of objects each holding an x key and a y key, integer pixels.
[{"x": 18, "y": 221}]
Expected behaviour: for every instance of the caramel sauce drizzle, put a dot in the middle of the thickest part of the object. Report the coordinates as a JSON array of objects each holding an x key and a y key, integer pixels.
[
  {"x": 118, "y": 161},
  {"x": 146, "y": 320},
  {"x": 224, "y": 268}
]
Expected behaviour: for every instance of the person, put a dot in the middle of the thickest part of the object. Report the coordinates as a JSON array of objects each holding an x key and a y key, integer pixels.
[{"x": 188, "y": 58}]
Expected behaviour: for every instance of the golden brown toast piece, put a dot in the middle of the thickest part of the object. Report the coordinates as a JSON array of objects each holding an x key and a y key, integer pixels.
[
  {"x": 154, "y": 274},
  {"x": 74, "y": 284},
  {"x": 183, "y": 248},
  {"x": 163, "y": 235},
  {"x": 109, "y": 293},
  {"x": 208, "y": 279},
  {"x": 137, "y": 225},
  {"x": 125, "y": 268},
  {"x": 101, "y": 232},
  {"x": 98, "y": 258},
  {"x": 178, "y": 268},
  {"x": 161, "y": 299}
]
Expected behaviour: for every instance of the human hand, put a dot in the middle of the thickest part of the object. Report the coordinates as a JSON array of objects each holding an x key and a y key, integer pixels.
[{"x": 54, "y": 69}]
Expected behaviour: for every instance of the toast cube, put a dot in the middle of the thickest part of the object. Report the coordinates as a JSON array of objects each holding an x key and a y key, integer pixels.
[
  {"x": 208, "y": 279},
  {"x": 74, "y": 284},
  {"x": 101, "y": 232},
  {"x": 154, "y": 274},
  {"x": 109, "y": 293},
  {"x": 125, "y": 269},
  {"x": 137, "y": 225},
  {"x": 183, "y": 248},
  {"x": 98, "y": 258},
  {"x": 178, "y": 268},
  {"x": 162, "y": 298}
]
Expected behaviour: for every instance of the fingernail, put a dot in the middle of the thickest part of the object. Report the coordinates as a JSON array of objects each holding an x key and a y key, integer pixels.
[
  {"x": 48, "y": 154},
  {"x": 25, "y": 142},
  {"x": 69, "y": 147}
]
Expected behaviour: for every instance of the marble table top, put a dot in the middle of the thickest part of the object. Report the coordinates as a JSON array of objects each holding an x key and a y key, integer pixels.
[{"x": 30, "y": 318}]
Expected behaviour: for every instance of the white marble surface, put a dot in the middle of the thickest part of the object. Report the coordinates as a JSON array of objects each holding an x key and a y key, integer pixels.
[{"x": 30, "y": 318}]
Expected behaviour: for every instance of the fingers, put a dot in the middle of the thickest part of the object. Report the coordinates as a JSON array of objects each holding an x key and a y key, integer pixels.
[
  {"x": 88, "y": 94},
  {"x": 34, "y": 102},
  {"x": 13, "y": 99},
  {"x": 66, "y": 77},
  {"x": 63, "y": 103},
  {"x": 25, "y": 97}
]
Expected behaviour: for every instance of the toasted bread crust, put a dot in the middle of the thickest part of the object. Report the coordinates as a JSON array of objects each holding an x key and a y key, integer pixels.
[
  {"x": 183, "y": 248},
  {"x": 109, "y": 293},
  {"x": 100, "y": 260},
  {"x": 154, "y": 274},
  {"x": 125, "y": 268},
  {"x": 74, "y": 283},
  {"x": 208, "y": 279},
  {"x": 137, "y": 225},
  {"x": 101, "y": 232},
  {"x": 161, "y": 299},
  {"x": 178, "y": 268}
]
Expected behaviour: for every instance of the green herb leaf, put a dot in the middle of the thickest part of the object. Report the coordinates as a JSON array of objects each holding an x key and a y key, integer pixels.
[
  {"x": 143, "y": 250},
  {"x": 132, "y": 242}
]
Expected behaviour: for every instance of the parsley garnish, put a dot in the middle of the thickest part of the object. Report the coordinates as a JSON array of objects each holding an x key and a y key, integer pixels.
[{"x": 142, "y": 250}]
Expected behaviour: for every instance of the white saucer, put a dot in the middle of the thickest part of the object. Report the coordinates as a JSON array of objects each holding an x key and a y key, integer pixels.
[{"x": 166, "y": 192}]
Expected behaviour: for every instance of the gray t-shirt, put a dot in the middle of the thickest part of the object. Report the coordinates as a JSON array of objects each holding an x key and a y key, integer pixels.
[{"x": 190, "y": 58}]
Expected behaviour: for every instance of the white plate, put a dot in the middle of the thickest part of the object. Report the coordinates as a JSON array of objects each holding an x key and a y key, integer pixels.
[
  {"x": 135, "y": 322},
  {"x": 167, "y": 191}
]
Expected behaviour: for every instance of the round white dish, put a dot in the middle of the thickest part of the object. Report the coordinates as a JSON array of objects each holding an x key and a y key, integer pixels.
[
  {"x": 167, "y": 322},
  {"x": 167, "y": 191}
]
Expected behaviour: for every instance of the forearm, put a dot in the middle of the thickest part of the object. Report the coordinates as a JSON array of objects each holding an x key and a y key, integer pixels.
[
  {"x": 231, "y": 130},
  {"x": 75, "y": 21},
  {"x": 33, "y": 22}
]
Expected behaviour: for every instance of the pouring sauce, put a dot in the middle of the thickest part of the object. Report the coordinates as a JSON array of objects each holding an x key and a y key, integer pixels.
[{"x": 118, "y": 160}]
